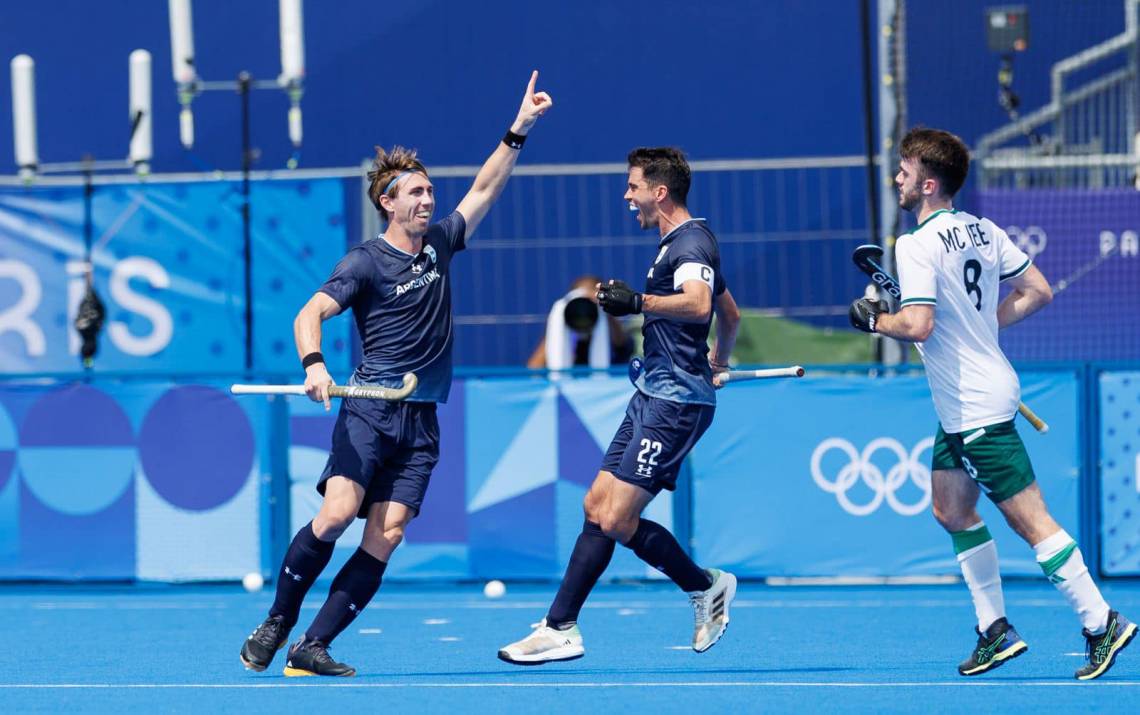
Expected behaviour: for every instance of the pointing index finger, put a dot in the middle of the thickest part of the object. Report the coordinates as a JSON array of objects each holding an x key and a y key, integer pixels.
[{"x": 530, "y": 85}]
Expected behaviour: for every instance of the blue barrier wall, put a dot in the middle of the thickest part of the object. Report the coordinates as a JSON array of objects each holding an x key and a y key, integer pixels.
[
  {"x": 1119, "y": 458},
  {"x": 831, "y": 476},
  {"x": 822, "y": 476},
  {"x": 146, "y": 480}
]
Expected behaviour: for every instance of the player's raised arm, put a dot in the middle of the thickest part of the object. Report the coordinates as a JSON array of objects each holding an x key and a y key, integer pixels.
[{"x": 491, "y": 179}]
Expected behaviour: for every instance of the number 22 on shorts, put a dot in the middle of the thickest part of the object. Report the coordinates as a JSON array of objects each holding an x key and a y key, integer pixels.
[{"x": 647, "y": 457}]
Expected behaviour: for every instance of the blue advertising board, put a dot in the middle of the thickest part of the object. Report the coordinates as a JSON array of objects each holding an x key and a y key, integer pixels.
[
  {"x": 132, "y": 480},
  {"x": 1120, "y": 473},
  {"x": 830, "y": 476},
  {"x": 168, "y": 265},
  {"x": 154, "y": 479}
]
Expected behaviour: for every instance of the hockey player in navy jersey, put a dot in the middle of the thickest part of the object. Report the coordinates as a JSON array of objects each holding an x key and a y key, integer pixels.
[
  {"x": 382, "y": 455},
  {"x": 670, "y": 410}
]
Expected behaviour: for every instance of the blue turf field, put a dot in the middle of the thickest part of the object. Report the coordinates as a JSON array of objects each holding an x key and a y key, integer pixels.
[{"x": 838, "y": 649}]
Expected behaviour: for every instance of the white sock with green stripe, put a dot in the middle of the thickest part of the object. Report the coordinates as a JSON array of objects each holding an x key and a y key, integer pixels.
[
  {"x": 1063, "y": 564},
  {"x": 977, "y": 555}
]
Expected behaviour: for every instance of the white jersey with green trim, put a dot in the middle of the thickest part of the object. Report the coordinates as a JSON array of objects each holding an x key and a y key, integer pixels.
[{"x": 955, "y": 261}]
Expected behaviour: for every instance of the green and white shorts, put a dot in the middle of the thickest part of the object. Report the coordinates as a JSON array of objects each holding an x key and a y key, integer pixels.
[{"x": 994, "y": 457}]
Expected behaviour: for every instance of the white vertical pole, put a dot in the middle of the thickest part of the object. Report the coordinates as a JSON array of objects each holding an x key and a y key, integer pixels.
[
  {"x": 182, "y": 42},
  {"x": 142, "y": 147},
  {"x": 892, "y": 123},
  {"x": 292, "y": 41},
  {"x": 182, "y": 65},
  {"x": 24, "y": 114},
  {"x": 292, "y": 62}
]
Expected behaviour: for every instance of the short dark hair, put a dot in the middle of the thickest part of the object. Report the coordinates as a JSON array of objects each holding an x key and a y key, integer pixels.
[
  {"x": 664, "y": 166},
  {"x": 940, "y": 154},
  {"x": 387, "y": 166}
]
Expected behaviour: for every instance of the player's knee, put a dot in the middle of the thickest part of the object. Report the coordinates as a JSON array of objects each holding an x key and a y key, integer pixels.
[
  {"x": 393, "y": 536},
  {"x": 333, "y": 519},
  {"x": 330, "y": 528},
  {"x": 381, "y": 542},
  {"x": 592, "y": 507},
  {"x": 618, "y": 526},
  {"x": 954, "y": 519},
  {"x": 941, "y": 514}
]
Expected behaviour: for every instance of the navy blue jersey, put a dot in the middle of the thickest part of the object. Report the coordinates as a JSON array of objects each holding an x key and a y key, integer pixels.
[
  {"x": 676, "y": 353},
  {"x": 402, "y": 307}
]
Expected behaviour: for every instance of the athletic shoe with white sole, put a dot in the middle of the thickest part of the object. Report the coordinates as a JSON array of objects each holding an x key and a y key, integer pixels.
[
  {"x": 998, "y": 644},
  {"x": 710, "y": 617},
  {"x": 545, "y": 645},
  {"x": 1102, "y": 649}
]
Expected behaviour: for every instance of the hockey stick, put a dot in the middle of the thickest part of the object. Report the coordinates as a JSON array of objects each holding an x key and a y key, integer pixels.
[
  {"x": 742, "y": 375},
  {"x": 364, "y": 392},
  {"x": 869, "y": 259}
]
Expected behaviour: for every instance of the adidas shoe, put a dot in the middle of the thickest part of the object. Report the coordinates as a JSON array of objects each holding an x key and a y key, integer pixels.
[
  {"x": 545, "y": 645},
  {"x": 710, "y": 617}
]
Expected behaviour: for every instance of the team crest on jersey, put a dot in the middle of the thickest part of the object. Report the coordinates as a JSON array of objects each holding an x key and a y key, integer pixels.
[{"x": 429, "y": 252}]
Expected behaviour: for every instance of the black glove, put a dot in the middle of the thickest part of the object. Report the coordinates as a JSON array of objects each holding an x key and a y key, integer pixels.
[
  {"x": 617, "y": 298},
  {"x": 864, "y": 312}
]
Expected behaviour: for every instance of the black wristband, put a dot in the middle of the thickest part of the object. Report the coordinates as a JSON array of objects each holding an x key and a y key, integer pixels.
[
  {"x": 312, "y": 359},
  {"x": 514, "y": 141}
]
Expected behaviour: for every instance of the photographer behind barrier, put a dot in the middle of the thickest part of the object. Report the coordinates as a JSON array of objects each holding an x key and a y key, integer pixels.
[{"x": 576, "y": 336}]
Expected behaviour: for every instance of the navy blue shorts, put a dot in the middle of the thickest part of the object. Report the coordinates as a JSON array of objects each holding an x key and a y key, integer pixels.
[
  {"x": 389, "y": 448},
  {"x": 654, "y": 439}
]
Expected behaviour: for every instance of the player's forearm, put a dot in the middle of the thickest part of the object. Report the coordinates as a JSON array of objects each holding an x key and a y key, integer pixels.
[
  {"x": 495, "y": 172},
  {"x": 493, "y": 175},
  {"x": 1019, "y": 305},
  {"x": 686, "y": 307},
  {"x": 725, "y": 342},
  {"x": 727, "y": 325},
  {"x": 904, "y": 325}
]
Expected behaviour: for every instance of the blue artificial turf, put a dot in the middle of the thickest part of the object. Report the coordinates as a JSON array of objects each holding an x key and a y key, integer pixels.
[{"x": 432, "y": 649}]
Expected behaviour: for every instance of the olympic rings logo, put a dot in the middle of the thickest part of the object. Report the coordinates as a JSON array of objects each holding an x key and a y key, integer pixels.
[
  {"x": 1031, "y": 239},
  {"x": 861, "y": 468}
]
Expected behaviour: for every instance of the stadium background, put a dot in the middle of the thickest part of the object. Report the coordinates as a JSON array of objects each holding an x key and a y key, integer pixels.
[{"x": 144, "y": 468}]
